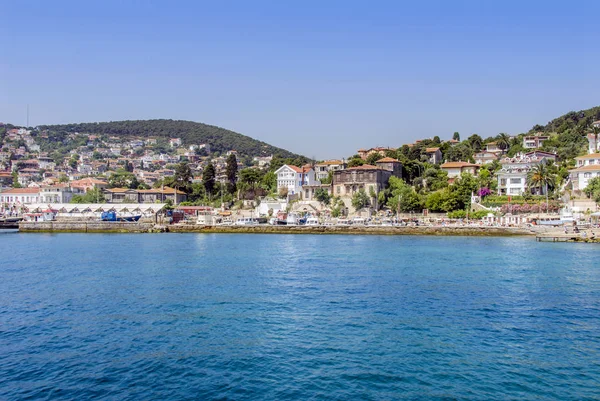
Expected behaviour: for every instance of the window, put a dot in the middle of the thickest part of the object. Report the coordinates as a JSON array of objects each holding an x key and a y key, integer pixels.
[
  {"x": 587, "y": 175},
  {"x": 503, "y": 181},
  {"x": 515, "y": 180},
  {"x": 515, "y": 191},
  {"x": 338, "y": 190}
]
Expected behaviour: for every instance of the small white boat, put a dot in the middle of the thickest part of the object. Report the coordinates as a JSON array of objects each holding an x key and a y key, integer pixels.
[
  {"x": 343, "y": 222},
  {"x": 312, "y": 221},
  {"x": 359, "y": 221},
  {"x": 292, "y": 220},
  {"x": 246, "y": 221}
]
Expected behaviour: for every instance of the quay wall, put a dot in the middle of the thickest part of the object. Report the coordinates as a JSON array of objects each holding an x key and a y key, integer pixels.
[
  {"x": 125, "y": 227},
  {"x": 373, "y": 230},
  {"x": 84, "y": 227}
]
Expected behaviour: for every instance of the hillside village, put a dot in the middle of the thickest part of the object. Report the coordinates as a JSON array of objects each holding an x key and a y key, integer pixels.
[{"x": 541, "y": 171}]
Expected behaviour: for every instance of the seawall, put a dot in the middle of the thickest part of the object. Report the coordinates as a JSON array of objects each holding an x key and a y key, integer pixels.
[
  {"x": 123, "y": 227},
  {"x": 84, "y": 227}
]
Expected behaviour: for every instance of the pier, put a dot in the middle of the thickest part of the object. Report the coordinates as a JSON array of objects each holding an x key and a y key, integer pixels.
[{"x": 569, "y": 237}]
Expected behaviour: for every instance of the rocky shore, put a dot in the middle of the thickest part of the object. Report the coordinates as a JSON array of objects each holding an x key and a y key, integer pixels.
[{"x": 112, "y": 227}]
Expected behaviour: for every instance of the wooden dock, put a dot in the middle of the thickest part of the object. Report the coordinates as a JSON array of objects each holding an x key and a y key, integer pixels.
[{"x": 569, "y": 237}]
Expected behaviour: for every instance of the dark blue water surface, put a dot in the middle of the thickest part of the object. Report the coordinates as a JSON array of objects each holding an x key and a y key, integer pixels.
[{"x": 297, "y": 317}]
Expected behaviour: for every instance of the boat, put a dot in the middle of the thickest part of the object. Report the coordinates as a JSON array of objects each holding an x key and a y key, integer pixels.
[
  {"x": 359, "y": 221},
  {"x": 112, "y": 217},
  {"x": 565, "y": 217},
  {"x": 343, "y": 222},
  {"x": 292, "y": 220},
  {"x": 281, "y": 219},
  {"x": 312, "y": 221},
  {"x": 246, "y": 221}
]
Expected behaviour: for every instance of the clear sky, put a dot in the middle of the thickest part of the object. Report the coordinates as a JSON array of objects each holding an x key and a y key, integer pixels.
[{"x": 321, "y": 78}]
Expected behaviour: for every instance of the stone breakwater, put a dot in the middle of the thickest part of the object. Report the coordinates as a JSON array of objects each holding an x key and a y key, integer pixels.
[{"x": 112, "y": 227}]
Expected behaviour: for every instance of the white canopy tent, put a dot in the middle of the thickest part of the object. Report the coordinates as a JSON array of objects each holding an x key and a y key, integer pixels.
[{"x": 87, "y": 210}]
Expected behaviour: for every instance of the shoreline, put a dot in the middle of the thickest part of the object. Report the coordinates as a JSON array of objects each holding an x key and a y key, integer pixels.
[{"x": 122, "y": 227}]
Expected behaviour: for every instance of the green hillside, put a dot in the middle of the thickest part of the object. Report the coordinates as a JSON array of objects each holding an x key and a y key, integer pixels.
[
  {"x": 576, "y": 121},
  {"x": 220, "y": 140}
]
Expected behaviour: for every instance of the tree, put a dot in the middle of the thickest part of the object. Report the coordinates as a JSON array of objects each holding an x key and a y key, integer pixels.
[
  {"x": 476, "y": 142},
  {"x": 123, "y": 179},
  {"x": 269, "y": 181},
  {"x": 183, "y": 177},
  {"x": 373, "y": 157},
  {"x": 541, "y": 177},
  {"x": 322, "y": 195},
  {"x": 456, "y": 136},
  {"x": 592, "y": 190},
  {"x": 503, "y": 141},
  {"x": 231, "y": 172},
  {"x": 360, "y": 199},
  {"x": 459, "y": 152},
  {"x": 208, "y": 178},
  {"x": 355, "y": 162},
  {"x": 94, "y": 195},
  {"x": 403, "y": 197},
  {"x": 15, "y": 178}
]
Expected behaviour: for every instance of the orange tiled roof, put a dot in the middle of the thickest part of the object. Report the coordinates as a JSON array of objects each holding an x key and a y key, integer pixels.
[
  {"x": 590, "y": 156},
  {"x": 458, "y": 164},
  {"x": 428, "y": 150},
  {"x": 387, "y": 160},
  {"x": 22, "y": 191},
  {"x": 593, "y": 167},
  {"x": 365, "y": 167}
]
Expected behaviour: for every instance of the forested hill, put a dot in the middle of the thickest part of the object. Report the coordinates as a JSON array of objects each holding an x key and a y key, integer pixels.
[
  {"x": 576, "y": 121},
  {"x": 192, "y": 133}
]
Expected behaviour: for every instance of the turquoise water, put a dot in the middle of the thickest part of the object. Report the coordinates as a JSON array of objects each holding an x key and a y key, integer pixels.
[{"x": 297, "y": 317}]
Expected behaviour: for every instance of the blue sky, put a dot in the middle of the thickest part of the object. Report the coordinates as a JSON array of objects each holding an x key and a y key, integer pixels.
[{"x": 321, "y": 78}]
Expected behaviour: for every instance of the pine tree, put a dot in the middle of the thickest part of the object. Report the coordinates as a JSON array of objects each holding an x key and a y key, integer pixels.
[
  {"x": 208, "y": 178},
  {"x": 231, "y": 172}
]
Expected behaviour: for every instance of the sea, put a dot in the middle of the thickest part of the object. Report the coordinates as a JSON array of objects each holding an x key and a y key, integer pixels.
[{"x": 297, "y": 317}]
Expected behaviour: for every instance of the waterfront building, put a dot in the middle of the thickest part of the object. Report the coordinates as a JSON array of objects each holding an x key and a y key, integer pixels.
[
  {"x": 512, "y": 178},
  {"x": 292, "y": 178},
  {"x": 60, "y": 193},
  {"x": 20, "y": 196},
  {"x": 351, "y": 180},
  {"x": 126, "y": 195}
]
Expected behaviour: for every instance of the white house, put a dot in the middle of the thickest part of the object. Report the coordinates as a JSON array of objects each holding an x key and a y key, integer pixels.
[
  {"x": 174, "y": 142},
  {"x": 293, "y": 178},
  {"x": 588, "y": 167},
  {"x": 20, "y": 196},
  {"x": 58, "y": 193},
  {"x": 534, "y": 141},
  {"x": 512, "y": 178},
  {"x": 455, "y": 169},
  {"x": 484, "y": 157}
]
